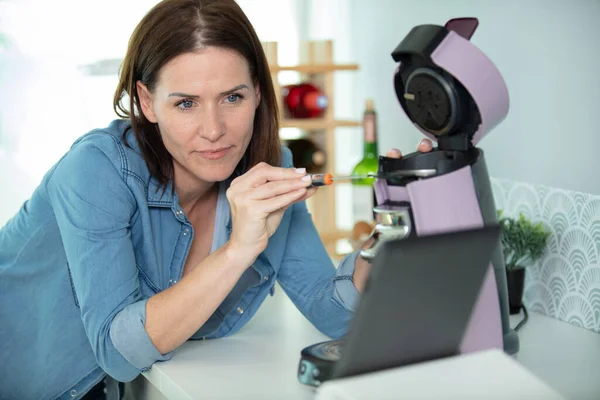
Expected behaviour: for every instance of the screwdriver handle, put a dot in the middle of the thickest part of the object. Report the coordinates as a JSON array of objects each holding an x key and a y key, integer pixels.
[{"x": 321, "y": 180}]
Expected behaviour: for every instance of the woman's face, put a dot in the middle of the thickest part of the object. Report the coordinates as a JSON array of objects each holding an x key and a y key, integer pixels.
[{"x": 204, "y": 104}]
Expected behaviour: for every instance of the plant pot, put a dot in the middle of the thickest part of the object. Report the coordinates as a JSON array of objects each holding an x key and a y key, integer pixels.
[{"x": 515, "y": 280}]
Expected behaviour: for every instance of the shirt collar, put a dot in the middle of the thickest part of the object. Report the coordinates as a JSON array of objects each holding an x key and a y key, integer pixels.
[{"x": 159, "y": 197}]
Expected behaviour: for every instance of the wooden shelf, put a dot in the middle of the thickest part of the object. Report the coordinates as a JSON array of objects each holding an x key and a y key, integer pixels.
[
  {"x": 314, "y": 68},
  {"x": 331, "y": 240},
  {"x": 335, "y": 235},
  {"x": 315, "y": 64},
  {"x": 316, "y": 123}
]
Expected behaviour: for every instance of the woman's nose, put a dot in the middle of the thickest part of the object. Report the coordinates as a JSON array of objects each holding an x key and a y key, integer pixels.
[{"x": 211, "y": 124}]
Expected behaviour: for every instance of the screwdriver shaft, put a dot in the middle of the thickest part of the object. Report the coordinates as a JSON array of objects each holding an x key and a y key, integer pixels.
[{"x": 328, "y": 179}]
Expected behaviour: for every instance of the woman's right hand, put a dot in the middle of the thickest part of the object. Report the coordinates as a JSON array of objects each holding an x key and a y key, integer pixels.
[{"x": 258, "y": 200}]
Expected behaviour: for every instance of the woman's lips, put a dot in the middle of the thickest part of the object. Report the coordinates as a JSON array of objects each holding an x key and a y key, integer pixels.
[{"x": 214, "y": 154}]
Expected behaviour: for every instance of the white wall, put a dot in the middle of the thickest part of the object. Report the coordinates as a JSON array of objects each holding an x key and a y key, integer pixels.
[
  {"x": 46, "y": 102},
  {"x": 549, "y": 54}
]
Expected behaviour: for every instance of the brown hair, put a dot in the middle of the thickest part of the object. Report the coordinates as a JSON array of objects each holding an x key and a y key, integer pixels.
[{"x": 174, "y": 27}]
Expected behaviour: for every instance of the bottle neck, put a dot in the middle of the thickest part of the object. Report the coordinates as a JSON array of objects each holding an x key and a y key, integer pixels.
[
  {"x": 370, "y": 135},
  {"x": 370, "y": 150}
]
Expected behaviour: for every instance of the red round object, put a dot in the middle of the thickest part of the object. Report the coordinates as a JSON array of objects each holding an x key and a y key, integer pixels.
[{"x": 305, "y": 100}]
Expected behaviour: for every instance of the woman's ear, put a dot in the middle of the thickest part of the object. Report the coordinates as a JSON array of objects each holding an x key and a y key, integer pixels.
[
  {"x": 146, "y": 102},
  {"x": 257, "y": 91}
]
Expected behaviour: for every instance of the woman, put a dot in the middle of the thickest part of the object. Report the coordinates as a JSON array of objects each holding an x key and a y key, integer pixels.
[{"x": 172, "y": 223}]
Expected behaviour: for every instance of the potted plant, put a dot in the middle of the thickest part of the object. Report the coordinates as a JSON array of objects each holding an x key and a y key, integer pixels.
[{"x": 523, "y": 244}]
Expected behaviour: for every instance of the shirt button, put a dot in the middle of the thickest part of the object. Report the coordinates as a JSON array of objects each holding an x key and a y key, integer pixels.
[
  {"x": 73, "y": 393},
  {"x": 240, "y": 310},
  {"x": 266, "y": 278},
  {"x": 179, "y": 213},
  {"x": 186, "y": 231}
]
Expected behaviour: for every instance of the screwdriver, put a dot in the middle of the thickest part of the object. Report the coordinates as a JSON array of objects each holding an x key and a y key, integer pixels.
[
  {"x": 321, "y": 179},
  {"x": 328, "y": 179}
]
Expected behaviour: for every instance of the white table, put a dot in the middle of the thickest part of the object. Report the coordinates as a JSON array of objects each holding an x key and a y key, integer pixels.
[
  {"x": 260, "y": 361},
  {"x": 489, "y": 374},
  {"x": 563, "y": 355}
]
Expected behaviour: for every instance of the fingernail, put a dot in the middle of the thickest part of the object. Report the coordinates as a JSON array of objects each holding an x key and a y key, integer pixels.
[
  {"x": 306, "y": 178},
  {"x": 424, "y": 141},
  {"x": 301, "y": 170}
]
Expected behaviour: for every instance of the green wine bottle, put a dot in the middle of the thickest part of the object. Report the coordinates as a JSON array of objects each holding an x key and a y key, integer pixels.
[{"x": 363, "y": 192}]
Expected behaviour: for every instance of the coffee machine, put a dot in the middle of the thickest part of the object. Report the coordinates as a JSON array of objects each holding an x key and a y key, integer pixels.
[{"x": 454, "y": 95}]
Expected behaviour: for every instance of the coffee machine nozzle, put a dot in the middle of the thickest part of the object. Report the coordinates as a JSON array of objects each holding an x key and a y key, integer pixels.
[{"x": 455, "y": 95}]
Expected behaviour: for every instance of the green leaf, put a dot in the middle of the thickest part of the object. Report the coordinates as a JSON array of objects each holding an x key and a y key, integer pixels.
[{"x": 523, "y": 241}]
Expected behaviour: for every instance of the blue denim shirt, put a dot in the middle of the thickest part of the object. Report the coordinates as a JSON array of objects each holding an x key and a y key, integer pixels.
[{"x": 96, "y": 239}]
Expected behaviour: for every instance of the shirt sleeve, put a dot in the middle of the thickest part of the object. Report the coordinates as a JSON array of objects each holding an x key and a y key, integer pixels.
[
  {"x": 325, "y": 295},
  {"x": 93, "y": 207},
  {"x": 345, "y": 291}
]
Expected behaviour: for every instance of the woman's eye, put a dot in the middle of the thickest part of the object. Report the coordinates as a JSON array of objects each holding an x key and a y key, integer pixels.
[
  {"x": 185, "y": 104},
  {"x": 233, "y": 98}
]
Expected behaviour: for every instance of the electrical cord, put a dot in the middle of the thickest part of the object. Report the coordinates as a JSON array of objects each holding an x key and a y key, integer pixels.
[{"x": 524, "y": 320}]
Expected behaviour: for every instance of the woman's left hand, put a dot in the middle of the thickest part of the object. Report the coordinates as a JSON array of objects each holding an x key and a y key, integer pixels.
[{"x": 362, "y": 267}]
